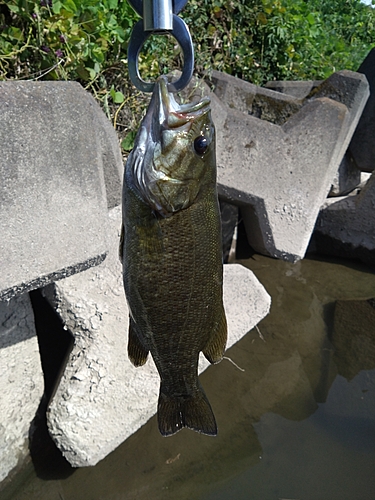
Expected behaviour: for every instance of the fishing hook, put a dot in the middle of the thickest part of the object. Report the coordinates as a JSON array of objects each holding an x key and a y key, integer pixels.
[{"x": 160, "y": 18}]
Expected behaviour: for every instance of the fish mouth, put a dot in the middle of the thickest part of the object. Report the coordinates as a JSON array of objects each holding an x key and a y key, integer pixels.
[
  {"x": 165, "y": 112},
  {"x": 177, "y": 115}
]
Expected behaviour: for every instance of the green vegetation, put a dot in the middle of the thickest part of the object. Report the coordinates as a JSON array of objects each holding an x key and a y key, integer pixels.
[
  {"x": 262, "y": 40},
  {"x": 258, "y": 40}
]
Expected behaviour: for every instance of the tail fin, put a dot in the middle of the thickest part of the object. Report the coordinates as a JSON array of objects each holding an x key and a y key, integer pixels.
[{"x": 192, "y": 411}]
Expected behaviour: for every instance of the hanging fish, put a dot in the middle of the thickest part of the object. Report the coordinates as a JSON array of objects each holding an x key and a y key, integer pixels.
[{"x": 172, "y": 257}]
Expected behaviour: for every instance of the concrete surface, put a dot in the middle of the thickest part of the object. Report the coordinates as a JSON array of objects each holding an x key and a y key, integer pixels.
[
  {"x": 352, "y": 90},
  {"x": 281, "y": 174},
  {"x": 256, "y": 101},
  {"x": 346, "y": 226},
  {"x": 362, "y": 145},
  {"x": 102, "y": 398},
  {"x": 21, "y": 380},
  {"x": 299, "y": 88},
  {"x": 347, "y": 177},
  {"x": 55, "y": 143},
  {"x": 343, "y": 87},
  {"x": 348, "y": 174}
]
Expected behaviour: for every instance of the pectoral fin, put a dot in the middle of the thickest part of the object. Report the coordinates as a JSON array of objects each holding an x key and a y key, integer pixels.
[
  {"x": 136, "y": 351},
  {"x": 214, "y": 350}
]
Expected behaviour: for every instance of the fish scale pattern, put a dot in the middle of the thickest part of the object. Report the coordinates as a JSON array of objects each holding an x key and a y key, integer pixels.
[{"x": 174, "y": 283}]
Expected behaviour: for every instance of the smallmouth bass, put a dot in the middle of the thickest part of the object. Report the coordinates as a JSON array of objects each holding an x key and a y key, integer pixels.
[{"x": 172, "y": 257}]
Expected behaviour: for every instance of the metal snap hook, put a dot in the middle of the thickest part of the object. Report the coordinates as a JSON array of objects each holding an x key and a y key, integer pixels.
[
  {"x": 140, "y": 34},
  {"x": 138, "y": 6}
]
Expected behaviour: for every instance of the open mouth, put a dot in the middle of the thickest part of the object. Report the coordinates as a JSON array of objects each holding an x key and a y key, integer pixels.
[
  {"x": 164, "y": 112},
  {"x": 174, "y": 114}
]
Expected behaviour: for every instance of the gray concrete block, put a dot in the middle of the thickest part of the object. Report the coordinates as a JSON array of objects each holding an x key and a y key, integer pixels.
[
  {"x": 347, "y": 177},
  {"x": 102, "y": 398},
  {"x": 346, "y": 226},
  {"x": 275, "y": 174},
  {"x": 21, "y": 380},
  {"x": 362, "y": 145},
  {"x": 299, "y": 88},
  {"x": 342, "y": 90},
  {"x": 54, "y": 144},
  {"x": 352, "y": 90},
  {"x": 255, "y": 101},
  {"x": 111, "y": 160},
  {"x": 280, "y": 175}
]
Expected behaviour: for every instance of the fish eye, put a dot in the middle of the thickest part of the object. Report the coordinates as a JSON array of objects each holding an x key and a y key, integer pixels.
[{"x": 200, "y": 145}]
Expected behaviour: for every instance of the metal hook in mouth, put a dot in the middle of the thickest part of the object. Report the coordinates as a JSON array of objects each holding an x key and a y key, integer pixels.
[{"x": 180, "y": 32}]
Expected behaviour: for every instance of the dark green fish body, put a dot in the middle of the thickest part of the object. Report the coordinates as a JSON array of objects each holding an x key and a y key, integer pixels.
[{"x": 172, "y": 260}]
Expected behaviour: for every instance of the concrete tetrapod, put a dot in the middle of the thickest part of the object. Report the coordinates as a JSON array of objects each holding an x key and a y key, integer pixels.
[
  {"x": 55, "y": 143},
  {"x": 360, "y": 155},
  {"x": 21, "y": 380},
  {"x": 281, "y": 174},
  {"x": 346, "y": 226},
  {"x": 362, "y": 145},
  {"x": 348, "y": 175},
  {"x": 102, "y": 398}
]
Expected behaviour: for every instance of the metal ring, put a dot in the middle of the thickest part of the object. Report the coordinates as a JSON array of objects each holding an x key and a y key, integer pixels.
[
  {"x": 138, "y": 6},
  {"x": 181, "y": 34}
]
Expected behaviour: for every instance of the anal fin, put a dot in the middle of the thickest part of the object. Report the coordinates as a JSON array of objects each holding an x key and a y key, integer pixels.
[
  {"x": 136, "y": 351},
  {"x": 215, "y": 348}
]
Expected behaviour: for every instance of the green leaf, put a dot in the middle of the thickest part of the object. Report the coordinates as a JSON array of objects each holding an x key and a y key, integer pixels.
[
  {"x": 92, "y": 73},
  {"x": 15, "y": 33},
  {"x": 311, "y": 19},
  {"x": 56, "y": 7},
  {"x": 69, "y": 5},
  {"x": 128, "y": 143},
  {"x": 117, "y": 97},
  {"x": 13, "y": 8}
]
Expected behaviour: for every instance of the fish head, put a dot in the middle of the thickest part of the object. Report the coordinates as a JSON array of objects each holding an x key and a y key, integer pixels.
[{"x": 174, "y": 152}]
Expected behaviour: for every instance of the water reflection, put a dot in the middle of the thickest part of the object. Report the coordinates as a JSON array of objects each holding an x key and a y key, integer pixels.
[
  {"x": 328, "y": 456},
  {"x": 282, "y": 423},
  {"x": 354, "y": 336}
]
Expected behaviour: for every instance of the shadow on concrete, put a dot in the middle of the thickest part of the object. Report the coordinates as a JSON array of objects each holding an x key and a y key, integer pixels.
[{"x": 55, "y": 344}]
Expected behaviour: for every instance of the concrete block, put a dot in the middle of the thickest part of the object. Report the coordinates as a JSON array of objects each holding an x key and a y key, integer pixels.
[
  {"x": 347, "y": 177},
  {"x": 362, "y": 145},
  {"x": 346, "y": 226},
  {"x": 299, "y": 88},
  {"x": 55, "y": 143},
  {"x": 102, "y": 398},
  {"x": 343, "y": 87},
  {"x": 255, "y": 101},
  {"x": 111, "y": 160},
  {"x": 281, "y": 174},
  {"x": 352, "y": 90},
  {"x": 348, "y": 174},
  {"x": 21, "y": 380}
]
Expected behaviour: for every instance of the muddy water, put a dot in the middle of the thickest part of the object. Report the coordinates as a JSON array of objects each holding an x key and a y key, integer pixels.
[{"x": 296, "y": 416}]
